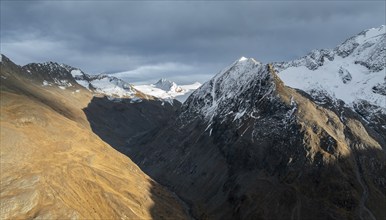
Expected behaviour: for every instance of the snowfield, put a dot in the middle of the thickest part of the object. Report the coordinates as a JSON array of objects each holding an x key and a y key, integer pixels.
[
  {"x": 165, "y": 89},
  {"x": 351, "y": 72}
]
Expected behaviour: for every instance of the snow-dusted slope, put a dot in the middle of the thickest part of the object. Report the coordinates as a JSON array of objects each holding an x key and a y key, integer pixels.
[
  {"x": 166, "y": 89},
  {"x": 353, "y": 72},
  {"x": 222, "y": 96},
  {"x": 167, "y": 85},
  {"x": 53, "y": 74},
  {"x": 105, "y": 84}
]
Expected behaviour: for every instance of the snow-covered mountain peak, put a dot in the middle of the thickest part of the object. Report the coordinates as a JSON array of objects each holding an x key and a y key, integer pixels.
[
  {"x": 370, "y": 33},
  {"x": 239, "y": 66},
  {"x": 168, "y": 90},
  {"x": 243, "y": 59},
  {"x": 222, "y": 94},
  {"x": 246, "y": 59},
  {"x": 368, "y": 48},
  {"x": 167, "y": 85},
  {"x": 352, "y": 71}
]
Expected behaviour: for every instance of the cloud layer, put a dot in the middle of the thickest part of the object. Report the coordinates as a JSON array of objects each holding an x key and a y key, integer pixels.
[{"x": 184, "y": 41}]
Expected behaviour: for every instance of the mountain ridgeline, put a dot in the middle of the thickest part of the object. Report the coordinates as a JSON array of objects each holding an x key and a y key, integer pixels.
[{"x": 304, "y": 139}]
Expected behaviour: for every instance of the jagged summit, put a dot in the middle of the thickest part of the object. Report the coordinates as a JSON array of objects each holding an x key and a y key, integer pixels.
[
  {"x": 51, "y": 66},
  {"x": 219, "y": 95},
  {"x": 245, "y": 59},
  {"x": 367, "y": 48},
  {"x": 353, "y": 72},
  {"x": 51, "y": 73},
  {"x": 167, "y": 85}
]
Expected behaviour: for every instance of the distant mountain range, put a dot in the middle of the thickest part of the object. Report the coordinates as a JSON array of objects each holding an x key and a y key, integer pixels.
[
  {"x": 107, "y": 84},
  {"x": 166, "y": 89}
]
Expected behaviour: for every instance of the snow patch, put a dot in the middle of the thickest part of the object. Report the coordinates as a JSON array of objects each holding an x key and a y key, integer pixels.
[
  {"x": 243, "y": 59},
  {"x": 46, "y": 83},
  {"x": 76, "y": 73},
  {"x": 239, "y": 115},
  {"x": 83, "y": 83},
  {"x": 331, "y": 79}
]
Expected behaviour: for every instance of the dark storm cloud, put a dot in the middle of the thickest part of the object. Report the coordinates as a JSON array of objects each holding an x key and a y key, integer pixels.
[{"x": 169, "y": 38}]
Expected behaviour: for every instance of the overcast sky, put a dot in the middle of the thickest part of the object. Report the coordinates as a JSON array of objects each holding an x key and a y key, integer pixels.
[{"x": 184, "y": 41}]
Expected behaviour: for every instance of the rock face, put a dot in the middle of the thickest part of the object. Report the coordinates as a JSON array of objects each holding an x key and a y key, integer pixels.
[
  {"x": 245, "y": 146},
  {"x": 53, "y": 166}
]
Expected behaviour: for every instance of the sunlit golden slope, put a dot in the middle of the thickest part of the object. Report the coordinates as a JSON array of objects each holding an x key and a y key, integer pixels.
[{"x": 53, "y": 166}]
